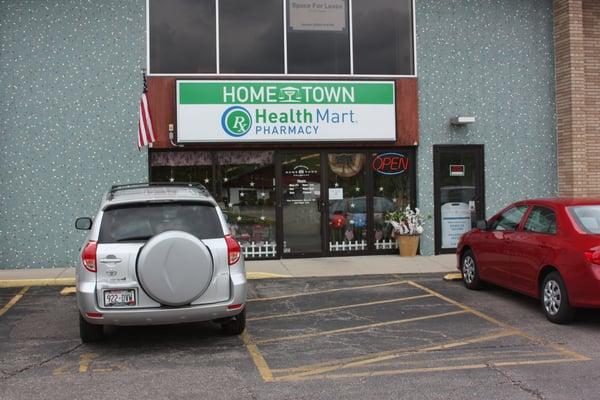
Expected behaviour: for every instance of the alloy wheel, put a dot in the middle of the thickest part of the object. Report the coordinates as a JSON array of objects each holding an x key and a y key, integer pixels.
[
  {"x": 552, "y": 297},
  {"x": 468, "y": 269}
]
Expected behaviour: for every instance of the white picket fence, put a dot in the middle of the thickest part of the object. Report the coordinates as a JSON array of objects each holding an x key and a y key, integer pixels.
[
  {"x": 259, "y": 250},
  {"x": 348, "y": 246},
  {"x": 386, "y": 244}
]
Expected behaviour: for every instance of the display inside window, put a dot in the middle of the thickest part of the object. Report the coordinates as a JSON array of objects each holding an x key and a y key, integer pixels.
[
  {"x": 347, "y": 202},
  {"x": 245, "y": 190},
  {"x": 182, "y": 166},
  {"x": 392, "y": 191}
]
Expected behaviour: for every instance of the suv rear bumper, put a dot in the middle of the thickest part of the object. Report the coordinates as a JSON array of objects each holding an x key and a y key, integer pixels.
[{"x": 86, "y": 301}]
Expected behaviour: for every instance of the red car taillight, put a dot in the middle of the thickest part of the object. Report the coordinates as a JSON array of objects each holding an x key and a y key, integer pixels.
[
  {"x": 593, "y": 256},
  {"x": 88, "y": 257},
  {"x": 234, "y": 250}
]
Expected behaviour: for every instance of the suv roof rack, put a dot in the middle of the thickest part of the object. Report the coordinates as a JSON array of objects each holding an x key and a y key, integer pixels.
[{"x": 131, "y": 186}]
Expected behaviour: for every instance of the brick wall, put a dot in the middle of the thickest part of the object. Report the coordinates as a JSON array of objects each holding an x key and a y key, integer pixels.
[{"x": 577, "y": 53}]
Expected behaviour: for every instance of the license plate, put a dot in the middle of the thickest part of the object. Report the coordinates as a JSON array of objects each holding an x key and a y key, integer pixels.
[{"x": 119, "y": 298}]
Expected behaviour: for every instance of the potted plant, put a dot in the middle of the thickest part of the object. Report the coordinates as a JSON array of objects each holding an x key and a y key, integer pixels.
[{"x": 407, "y": 227}]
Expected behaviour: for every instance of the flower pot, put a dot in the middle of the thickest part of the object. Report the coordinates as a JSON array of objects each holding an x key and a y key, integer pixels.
[{"x": 408, "y": 245}]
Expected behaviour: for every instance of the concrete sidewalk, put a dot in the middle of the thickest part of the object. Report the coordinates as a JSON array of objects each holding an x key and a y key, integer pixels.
[{"x": 285, "y": 268}]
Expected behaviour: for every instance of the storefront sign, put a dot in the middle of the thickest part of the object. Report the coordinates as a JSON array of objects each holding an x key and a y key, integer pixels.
[
  {"x": 456, "y": 220},
  {"x": 457, "y": 170},
  {"x": 278, "y": 111},
  {"x": 390, "y": 163},
  {"x": 317, "y": 15}
]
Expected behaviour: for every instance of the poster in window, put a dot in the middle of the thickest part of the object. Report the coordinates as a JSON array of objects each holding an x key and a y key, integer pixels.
[{"x": 317, "y": 15}]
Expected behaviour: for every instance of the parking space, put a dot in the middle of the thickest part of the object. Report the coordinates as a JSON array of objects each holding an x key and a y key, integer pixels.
[
  {"x": 396, "y": 327},
  {"x": 355, "y": 337}
]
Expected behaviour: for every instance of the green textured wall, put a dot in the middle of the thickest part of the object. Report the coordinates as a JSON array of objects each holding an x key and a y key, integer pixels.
[{"x": 70, "y": 83}]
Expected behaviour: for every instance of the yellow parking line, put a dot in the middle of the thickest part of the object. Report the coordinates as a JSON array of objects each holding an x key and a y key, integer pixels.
[
  {"x": 9, "y": 283},
  {"x": 372, "y": 303},
  {"x": 328, "y": 291},
  {"x": 258, "y": 358},
  {"x": 428, "y": 369},
  {"x": 493, "y": 320},
  {"x": 358, "y": 328},
  {"x": 386, "y": 356},
  {"x": 13, "y": 301}
]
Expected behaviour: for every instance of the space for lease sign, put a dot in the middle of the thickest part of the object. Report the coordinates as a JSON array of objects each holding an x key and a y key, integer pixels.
[{"x": 277, "y": 111}]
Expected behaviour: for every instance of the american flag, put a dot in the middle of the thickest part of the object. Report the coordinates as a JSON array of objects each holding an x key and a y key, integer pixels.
[{"x": 145, "y": 130}]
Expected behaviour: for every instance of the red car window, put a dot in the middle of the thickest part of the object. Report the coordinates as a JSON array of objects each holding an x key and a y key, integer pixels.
[
  {"x": 541, "y": 220},
  {"x": 509, "y": 220}
]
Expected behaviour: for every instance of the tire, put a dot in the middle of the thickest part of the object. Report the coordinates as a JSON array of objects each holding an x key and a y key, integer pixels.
[
  {"x": 469, "y": 271},
  {"x": 555, "y": 299},
  {"x": 89, "y": 333},
  {"x": 236, "y": 325}
]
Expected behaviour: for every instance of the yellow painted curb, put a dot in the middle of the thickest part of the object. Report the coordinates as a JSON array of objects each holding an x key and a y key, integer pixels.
[
  {"x": 453, "y": 277},
  {"x": 68, "y": 291},
  {"x": 264, "y": 275},
  {"x": 11, "y": 283}
]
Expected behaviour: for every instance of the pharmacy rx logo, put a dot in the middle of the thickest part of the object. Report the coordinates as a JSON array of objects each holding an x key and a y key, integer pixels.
[{"x": 236, "y": 121}]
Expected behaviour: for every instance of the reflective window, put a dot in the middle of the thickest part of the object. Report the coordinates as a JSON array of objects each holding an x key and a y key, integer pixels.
[
  {"x": 182, "y": 36},
  {"x": 541, "y": 220},
  {"x": 587, "y": 217},
  {"x": 392, "y": 190},
  {"x": 509, "y": 220},
  {"x": 317, "y": 39},
  {"x": 382, "y": 34},
  {"x": 347, "y": 202},
  {"x": 251, "y": 36},
  {"x": 245, "y": 190},
  {"x": 182, "y": 166}
]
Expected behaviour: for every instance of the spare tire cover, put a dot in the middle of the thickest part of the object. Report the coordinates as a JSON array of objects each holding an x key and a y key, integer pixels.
[{"x": 175, "y": 268}]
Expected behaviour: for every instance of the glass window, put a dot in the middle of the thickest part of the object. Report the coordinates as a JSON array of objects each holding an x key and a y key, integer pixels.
[
  {"x": 392, "y": 190},
  {"x": 182, "y": 166},
  {"x": 382, "y": 37},
  {"x": 139, "y": 222},
  {"x": 541, "y": 220},
  {"x": 182, "y": 36},
  {"x": 251, "y": 36},
  {"x": 347, "y": 202},
  {"x": 587, "y": 217},
  {"x": 509, "y": 220},
  {"x": 317, "y": 39},
  {"x": 245, "y": 190}
]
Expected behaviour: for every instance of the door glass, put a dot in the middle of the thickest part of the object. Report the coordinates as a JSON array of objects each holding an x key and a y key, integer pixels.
[
  {"x": 509, "y": 220},
  {"x": 301, "y": 194},
  {"x": 458, "y": 179},
  {"x": 245, "y": 183},
  {"x": 347, "y": 217},
  {"x": 541, "y": 220},
  {"x": 391, "y": 192}
]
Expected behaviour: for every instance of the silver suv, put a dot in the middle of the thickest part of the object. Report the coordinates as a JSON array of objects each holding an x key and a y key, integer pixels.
[{"x": 159, "y": 254}]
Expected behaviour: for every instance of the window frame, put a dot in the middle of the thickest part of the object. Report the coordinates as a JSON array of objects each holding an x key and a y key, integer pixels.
[{"x": 285, "y": 51}]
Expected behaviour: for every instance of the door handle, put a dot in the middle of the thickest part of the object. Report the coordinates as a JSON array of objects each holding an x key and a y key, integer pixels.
[{"x": 112, "y": 260}]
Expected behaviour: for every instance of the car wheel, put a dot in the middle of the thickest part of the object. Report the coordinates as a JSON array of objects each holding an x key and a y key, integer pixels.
[
  {"x": 555, "y": 300},
  {"x": 470, "y": 273},
  {"x": 236, "y": 325},
  {"x": 90, "y": 333}
]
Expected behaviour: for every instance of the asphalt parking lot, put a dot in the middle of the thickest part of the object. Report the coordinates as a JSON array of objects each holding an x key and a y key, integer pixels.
[{"x": 394, "y": 336}]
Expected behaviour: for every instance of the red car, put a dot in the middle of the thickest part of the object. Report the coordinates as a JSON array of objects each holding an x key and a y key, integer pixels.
[{"x": 547, "y": 248}]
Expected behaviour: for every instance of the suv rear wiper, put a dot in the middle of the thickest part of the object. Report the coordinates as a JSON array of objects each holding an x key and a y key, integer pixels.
[{"x": 134, "y": 238}]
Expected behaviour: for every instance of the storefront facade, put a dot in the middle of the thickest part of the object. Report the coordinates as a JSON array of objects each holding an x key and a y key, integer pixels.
[{"x": 300, "y": 191}]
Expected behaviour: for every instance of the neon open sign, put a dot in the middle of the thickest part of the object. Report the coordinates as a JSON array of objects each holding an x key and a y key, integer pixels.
[{"x": 390, "y": 163}]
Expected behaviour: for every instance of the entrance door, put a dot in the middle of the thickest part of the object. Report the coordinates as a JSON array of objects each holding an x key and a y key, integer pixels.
[
  {"x": 301, "y": 204},
  {"x": 458, "y": 193}
]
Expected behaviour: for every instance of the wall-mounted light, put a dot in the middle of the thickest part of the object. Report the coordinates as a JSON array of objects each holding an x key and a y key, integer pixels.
[{"x": 462, "y": 120}]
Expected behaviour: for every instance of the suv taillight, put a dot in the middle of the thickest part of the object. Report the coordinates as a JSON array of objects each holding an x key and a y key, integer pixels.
[
  {"x": 593, "y": 256},
  {"x": 233, "y": 250},
  {"x": 88, "y": 257}
]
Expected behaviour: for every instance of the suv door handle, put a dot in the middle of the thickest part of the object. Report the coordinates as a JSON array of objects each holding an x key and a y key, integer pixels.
[{"x": 113, "y": 260}]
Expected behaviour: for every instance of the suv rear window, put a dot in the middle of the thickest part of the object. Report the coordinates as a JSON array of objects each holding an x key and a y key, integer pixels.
[
  {"x": 139, "y": 222},
  {"x": 587, "y": 217}
]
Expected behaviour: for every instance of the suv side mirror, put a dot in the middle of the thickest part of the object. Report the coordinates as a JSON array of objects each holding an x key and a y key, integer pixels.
[
  {"x": 482, "y": 225},
  {"x": 83, "y": 224}
]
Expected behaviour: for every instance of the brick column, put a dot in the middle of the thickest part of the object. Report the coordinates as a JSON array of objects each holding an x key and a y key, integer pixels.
[
  {"x": 570, "y": 97},
  {"x": 577, "y": 55}
]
